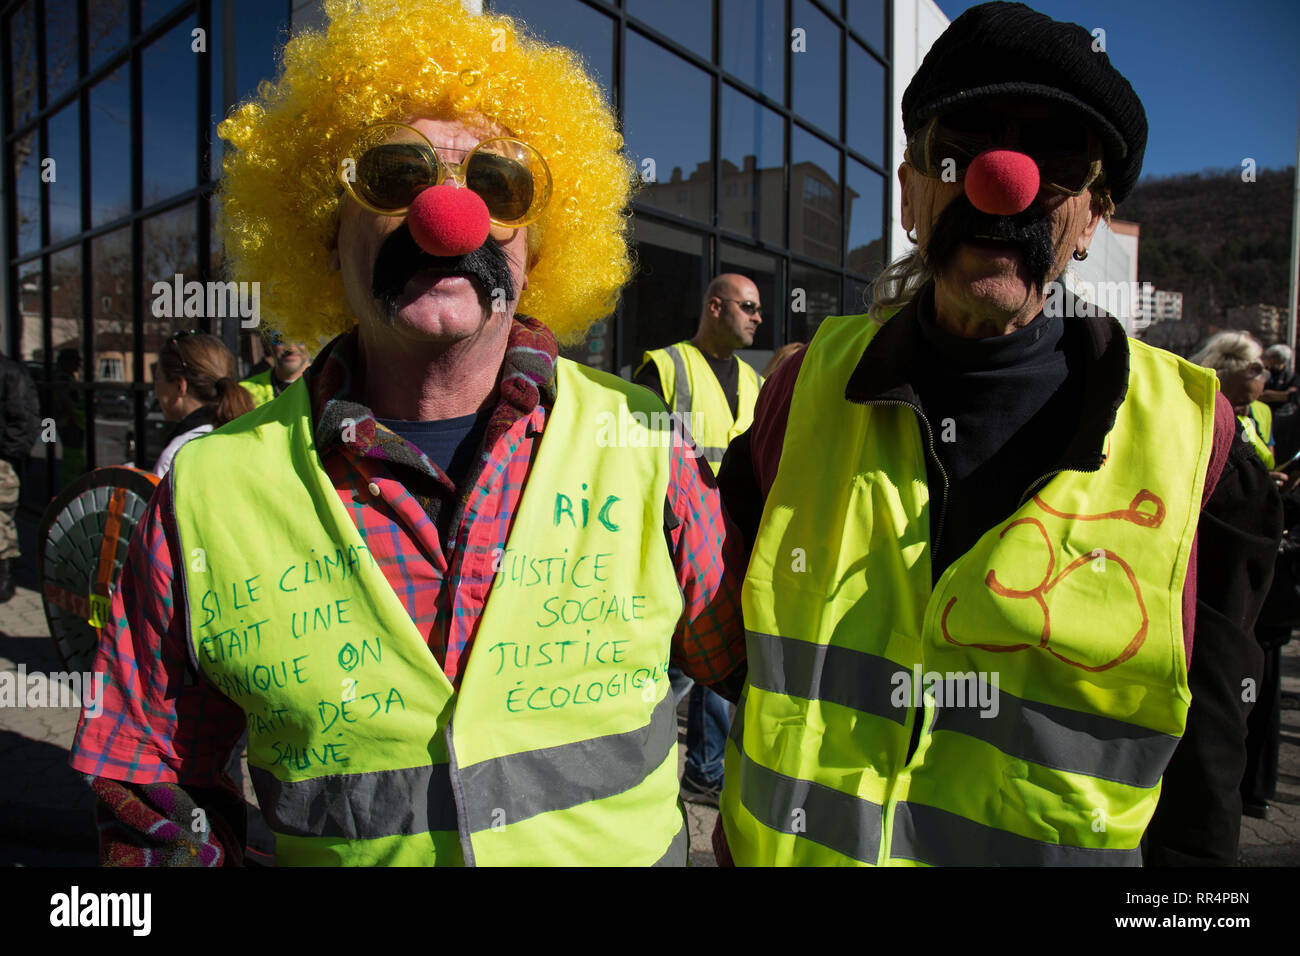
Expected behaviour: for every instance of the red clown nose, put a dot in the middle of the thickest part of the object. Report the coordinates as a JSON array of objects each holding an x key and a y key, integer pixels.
[
  {"x": 1002, "y": 182},
  {"x": 447, "y": 221}
]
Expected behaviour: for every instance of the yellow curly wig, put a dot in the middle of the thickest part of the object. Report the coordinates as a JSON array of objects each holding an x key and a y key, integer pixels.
[{"x": 386, "y": 60}]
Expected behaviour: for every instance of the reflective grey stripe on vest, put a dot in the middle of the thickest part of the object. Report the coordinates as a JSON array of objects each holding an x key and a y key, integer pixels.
[
  {"x": 939, "y": 838},
  {"x": 823, "y": 672},
  {"x": 1064, "y": 739},
  {"x": 358, "y": 806},
  {"x": 682, "y": 384},
  {"x": 682, "y": 405},
  {"x": 1044, "y": 734},
  {"x": 525, "y": 784},
  {"x": 679, "y": 850},
  {"x": 812, "y": 811}
]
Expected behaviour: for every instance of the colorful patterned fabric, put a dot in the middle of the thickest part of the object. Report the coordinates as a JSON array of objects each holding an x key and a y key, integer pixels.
[{"x": 162, "y": 724}]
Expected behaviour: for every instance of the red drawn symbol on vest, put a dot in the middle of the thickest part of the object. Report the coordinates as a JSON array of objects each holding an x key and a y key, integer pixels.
[{"x": 1150, "y": 517}]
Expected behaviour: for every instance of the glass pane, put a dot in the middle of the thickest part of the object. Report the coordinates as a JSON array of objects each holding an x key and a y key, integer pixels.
[
  {"x": 753, "y": 43},
  {"x": 666, "y": 126},
  {"x": 151, "y": 10},
  {"x": 816, "y": 58},
  {"x": 857, "y": 296},
  {"x": 866, "y": 109},
  {"x": 867, "y": 17},
  {"x": 112, "y": 305},
  {"x": 35, "y": 487},
  {"x": 64, "y": 175},
  {"x": 572, "y": 24},
  {"x": 108, "y": 29},
  {"x": 22, "y": 55},
  {"x": 60, "y": 48},
  {"x": 260, "y": 29},
  {"x": 28, "y": 207},
  {"x": 110, "y": 148},
  {"x": 662, "y": 304},
  {"x": 170, "y": 248},
  {"x": 866, "y": 230},
  {"x": 815, "y": 198},
  {"x": 820, "y": 298},
  {"x": 170, "y": 76},
  {"x": 765, "y": 272},
  {"x": 114, "y": 417},
  {"x": 753, "y": 168},
  {"x": 689, "y": 22},
  {"x": 68, "y": 394}
]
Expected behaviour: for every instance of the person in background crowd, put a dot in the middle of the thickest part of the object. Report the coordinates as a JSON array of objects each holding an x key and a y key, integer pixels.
[
  {"x": 1235, "y": 358},
  {"x": 69, "y": 414},
  {"x": 19, "y": 426},
  {"x": 288, "y": 361},
  {"x": 713, "y": 391},
  {"x": 1282, "y": 380},
  {"x": 505, "y": 588},
  {"x": 195, "y": 384},
  {"x": 965, "y": 482}
]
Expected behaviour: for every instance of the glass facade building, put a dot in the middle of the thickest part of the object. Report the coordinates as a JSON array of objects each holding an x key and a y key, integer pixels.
[
  {"x": 760, "y": 133},
  {"x": 110, "y": 162},
  {"x": 759, "y": 129}
]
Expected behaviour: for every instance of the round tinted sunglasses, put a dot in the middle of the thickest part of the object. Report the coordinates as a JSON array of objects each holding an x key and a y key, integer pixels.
[
  {"x": 389, "y": 164},
  {"x": 1068, "y": 155}
]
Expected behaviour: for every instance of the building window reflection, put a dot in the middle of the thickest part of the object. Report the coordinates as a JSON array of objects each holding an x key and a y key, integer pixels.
[
  {"x": 744, "y": 160},
  {"x": 76, "y": 317}
]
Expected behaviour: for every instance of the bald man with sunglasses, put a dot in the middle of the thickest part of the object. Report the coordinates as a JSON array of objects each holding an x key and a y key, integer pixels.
[{"x": 713, "y": 391}]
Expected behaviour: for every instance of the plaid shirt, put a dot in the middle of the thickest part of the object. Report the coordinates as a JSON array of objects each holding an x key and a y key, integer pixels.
[{"x": 159, "y": 728}]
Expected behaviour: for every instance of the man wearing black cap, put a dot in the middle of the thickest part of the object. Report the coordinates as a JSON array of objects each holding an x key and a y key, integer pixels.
[{"x": 975, "y": 524}]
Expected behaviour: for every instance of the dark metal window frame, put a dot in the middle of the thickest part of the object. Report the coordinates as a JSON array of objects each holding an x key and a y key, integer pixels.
[
  {"x": 130, "y": 55},
  {"x": 717, "y": 234}
]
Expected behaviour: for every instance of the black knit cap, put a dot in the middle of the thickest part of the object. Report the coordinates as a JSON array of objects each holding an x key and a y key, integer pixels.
[{"x": 999, "y": 49}]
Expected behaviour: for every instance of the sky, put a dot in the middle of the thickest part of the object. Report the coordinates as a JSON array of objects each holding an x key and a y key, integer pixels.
[{"x": 1220, "y": 79}]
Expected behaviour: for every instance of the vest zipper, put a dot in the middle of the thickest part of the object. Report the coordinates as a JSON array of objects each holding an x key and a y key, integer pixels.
[
  {"x": 929, "y": 440},
  {"x": 919, "y": 715}
]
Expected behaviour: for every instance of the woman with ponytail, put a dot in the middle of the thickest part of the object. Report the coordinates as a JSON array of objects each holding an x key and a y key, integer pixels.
[{"x": 196, "y": 388}]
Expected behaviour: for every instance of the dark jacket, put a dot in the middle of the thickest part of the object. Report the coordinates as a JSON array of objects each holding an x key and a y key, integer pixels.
[
  {"x": 20, "y": 416},
  {"x": 1198, "y": 818}
]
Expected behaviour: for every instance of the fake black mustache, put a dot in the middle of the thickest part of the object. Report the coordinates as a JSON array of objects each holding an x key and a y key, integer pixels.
[
  {"x": 400, "y": 259},
  {"x": 1030, "y": 231}
]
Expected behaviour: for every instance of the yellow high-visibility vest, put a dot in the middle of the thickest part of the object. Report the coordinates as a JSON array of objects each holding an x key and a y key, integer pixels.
[
  {"x": 693, "y": 394},
  {"x": 1257, "y": 428},
  {"x": 1043, "y": 677},
  {"x": 560, "y": 746},
  {"x": 259, "y": 386}
]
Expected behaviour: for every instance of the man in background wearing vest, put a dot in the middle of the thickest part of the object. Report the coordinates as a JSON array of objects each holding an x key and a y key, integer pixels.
[
  {"x": 983, "y": 534},
  {"x": 712, "y": 391},
  {"x": 441, "y": 598},
  {"x": 288, "y": 361}
]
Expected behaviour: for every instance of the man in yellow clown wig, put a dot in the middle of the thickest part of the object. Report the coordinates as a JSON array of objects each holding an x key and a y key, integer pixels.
[{"x": 440, "y": 579}]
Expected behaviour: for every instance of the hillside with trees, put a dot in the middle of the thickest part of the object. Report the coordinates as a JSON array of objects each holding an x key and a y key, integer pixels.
[{"x": 1218, "y": 240}]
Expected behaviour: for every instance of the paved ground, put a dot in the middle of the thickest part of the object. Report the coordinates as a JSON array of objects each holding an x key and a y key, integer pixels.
[{"x": 45, "y": 808}]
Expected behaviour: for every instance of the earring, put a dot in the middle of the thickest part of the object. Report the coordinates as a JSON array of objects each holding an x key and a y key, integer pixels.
[{"x": 1079, "y": 257}]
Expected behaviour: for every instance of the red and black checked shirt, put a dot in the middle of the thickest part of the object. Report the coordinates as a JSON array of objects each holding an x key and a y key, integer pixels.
[{"x": 159, "y": 727}]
